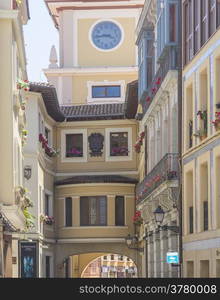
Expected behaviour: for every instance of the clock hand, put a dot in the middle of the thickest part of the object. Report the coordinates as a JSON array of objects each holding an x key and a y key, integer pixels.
[{"x": 104, "y": 35}]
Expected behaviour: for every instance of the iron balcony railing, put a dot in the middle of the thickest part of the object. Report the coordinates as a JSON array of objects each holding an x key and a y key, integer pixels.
[
  {"x": 168, "y": 62},
  {"x": 167, "y": 169}
]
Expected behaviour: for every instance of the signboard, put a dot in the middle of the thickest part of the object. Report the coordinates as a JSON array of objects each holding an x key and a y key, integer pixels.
[
  {"x": 172, "y": 257},
  {"x": 28, "y": 258}
]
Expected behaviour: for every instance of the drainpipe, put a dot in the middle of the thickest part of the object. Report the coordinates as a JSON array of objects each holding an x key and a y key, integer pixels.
[{"x": 180, "y": 136}]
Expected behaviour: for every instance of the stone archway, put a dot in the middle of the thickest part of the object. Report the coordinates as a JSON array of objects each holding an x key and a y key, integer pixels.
[
  {"x": 109, "y": 265},
  {"x": 66, "y": 250}
]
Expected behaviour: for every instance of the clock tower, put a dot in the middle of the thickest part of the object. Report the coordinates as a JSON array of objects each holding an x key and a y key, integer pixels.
[{"x": 97, "y": 55}]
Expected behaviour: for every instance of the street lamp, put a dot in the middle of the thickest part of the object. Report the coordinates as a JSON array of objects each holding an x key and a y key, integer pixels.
[
  {"x": 132, "y": 241},
  {"x": 159, "y": 216}
]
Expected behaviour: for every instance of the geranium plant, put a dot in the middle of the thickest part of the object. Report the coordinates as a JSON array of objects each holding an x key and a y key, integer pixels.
[
  {"x": 139, "y": 142},
  {"x": 48, "y": 150},
  {"x": 216, "y": 122},
  {"x": 23, "y": 84},
  {"x": 47, "y": 219},
  {"x": 137, "y": 218},
  {"x": 119, "y": 151}
]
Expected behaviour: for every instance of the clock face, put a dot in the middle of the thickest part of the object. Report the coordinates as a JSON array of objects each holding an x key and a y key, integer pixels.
[{"x": 106, "y": 35}]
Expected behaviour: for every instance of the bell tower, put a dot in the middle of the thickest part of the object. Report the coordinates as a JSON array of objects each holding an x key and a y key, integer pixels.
[{"x": 97, "y": 56}]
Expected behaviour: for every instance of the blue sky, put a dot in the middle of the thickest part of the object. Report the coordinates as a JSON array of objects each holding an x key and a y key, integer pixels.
[{"x": 39, "y": 34}]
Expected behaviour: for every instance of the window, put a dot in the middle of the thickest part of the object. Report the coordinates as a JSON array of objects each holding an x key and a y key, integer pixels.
[
  {"x": 188, "y": 31},
  {"x": 112, "y": 257},
  {"x": 204, "y": 268},
  {"x": 212, "y": 16},
  {"x": 191, "y": 219},
  {"x": 206, "y": 216},
  {"x": 93, "y": 211},
  {"x": 121, "y": 257},
  {"x": 105, "y": 257},
  {"x": 118, "y": 144},
  {"x": 190, "y": 269},
  {"x": 196, "y": 27},
  {"x": 47, "y": 134},
  {"x": 47, "y": 264},
  {"x": 119, "y": 211},
  {"x": 204, "y": 16},
  {"x": 47, "y": 205},
  {"x": 74, "y": 145},
  {"x": 172, "y": 25},
  {"x": 108, "y": 91},
  {"x": 68, "y": 212}
]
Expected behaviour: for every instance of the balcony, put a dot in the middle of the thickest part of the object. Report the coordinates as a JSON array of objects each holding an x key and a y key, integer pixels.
[
  {"x": 166, "y": 170},
  {"x": 167, "y": 63}
]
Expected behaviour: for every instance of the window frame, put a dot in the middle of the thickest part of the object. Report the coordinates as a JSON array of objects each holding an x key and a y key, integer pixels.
[
  {"x": 65, "y": 159},
  {"x": 91, "y": 84},
  {"x": 65, "y": 214},
  {"x": 89, "y": 198},
  {"x": 123, "y": 217},
  {"x": 108, "y": 132}
]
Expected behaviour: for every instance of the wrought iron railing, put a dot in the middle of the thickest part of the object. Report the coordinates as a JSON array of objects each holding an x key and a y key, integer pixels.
[
  {"x": 167, "y": 63},
  {"x": 167, "y": 169}
]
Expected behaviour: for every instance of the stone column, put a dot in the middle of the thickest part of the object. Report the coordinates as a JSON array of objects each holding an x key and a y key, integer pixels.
[
  {"x": 164, "y": 250},
  {"x": 1, "y": 250},
  {"x": 157, "y": 251},
  {"x": 150, "y": 257},
  {"x": 173, "y": 247}
]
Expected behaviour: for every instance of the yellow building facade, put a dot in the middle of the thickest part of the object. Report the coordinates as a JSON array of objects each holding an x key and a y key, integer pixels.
[
  {"x": 81, "y": 145},
  {"x": 201, "y": 148},
  {"x": 13, "y": 128}
]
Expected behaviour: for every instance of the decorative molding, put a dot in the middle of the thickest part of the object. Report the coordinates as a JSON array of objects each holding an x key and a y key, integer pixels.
[{"x": 96, "y": 144}]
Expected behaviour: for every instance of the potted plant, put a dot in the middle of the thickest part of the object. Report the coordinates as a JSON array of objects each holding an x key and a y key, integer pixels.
[
  {"x": 216, "y": 122},
  {"x": 201, "y": 133},
  {"x": 23, "y": 85},
  {"x": 47, "y": 219},
  {"x": 137, "y": 219}
]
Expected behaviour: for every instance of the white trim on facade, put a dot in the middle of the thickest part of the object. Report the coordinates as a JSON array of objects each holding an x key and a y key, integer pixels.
[
  {"x": 90, "y": 84},
  {"x": 65, "y": 159},
  {"x": 107, "y": 148}
]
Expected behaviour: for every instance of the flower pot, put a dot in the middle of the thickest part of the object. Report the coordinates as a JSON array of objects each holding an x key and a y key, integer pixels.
[
  {"x": 203, "y": 137},
  {"x": 217, "y": 126}
]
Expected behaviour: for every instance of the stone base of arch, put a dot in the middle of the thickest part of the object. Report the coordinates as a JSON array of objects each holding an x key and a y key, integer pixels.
[{"x": 65, "y": 250}]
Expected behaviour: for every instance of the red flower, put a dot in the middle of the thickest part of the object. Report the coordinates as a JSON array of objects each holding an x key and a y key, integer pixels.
[
  {"x": 148, "y": 99},
  {"x": 153, "y": 90},
  {"x": 158, "y": 81}
]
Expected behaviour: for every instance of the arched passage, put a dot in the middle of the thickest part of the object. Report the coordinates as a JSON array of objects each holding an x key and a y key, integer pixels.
[
  {"x": 110, "y": 265},
  {"x": 67, "y": 251}
]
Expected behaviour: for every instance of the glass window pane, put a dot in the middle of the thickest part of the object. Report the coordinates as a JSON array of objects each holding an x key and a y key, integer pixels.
[
  {"x": 68, "y": 211},
  {"x": 93, "y": 211},
  {"x": 106, "y": 91},
  {"x": 74, "y": 145},
  {"x": 113, "y": 91},
  {"x": 119, "y": 144},
  {"x": 98, "y": 92}
]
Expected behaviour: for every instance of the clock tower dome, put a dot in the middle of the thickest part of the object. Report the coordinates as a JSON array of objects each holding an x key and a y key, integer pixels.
[{"x": 97, "y": 55}]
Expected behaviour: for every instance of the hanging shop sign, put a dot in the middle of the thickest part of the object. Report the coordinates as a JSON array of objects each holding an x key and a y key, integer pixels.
[{"x": 28, "y": 259}]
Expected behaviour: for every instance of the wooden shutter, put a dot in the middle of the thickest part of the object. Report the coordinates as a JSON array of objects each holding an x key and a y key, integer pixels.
[
  {"x": 206, "y": 215},
  {"x": 191, "y": 219},
  {"x": 84, "y": 211},
  {"x": 119, "y": 211},
  {"x": 68, "y": 211}
]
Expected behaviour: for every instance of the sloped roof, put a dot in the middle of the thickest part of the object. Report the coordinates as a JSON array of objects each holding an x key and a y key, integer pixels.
[
  {"x": 94, "y": 111},
  {"x": 49, "y": 95}
]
